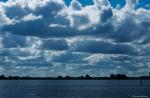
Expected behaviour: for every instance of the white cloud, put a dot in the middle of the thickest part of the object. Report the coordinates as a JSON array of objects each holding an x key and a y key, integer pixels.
[
  {"x": 57, "y": 25},
  {"x": 31, "y": 17},
  {"x": 76, "y": 38},
  {"x": 99, "y": 3},
  {"x": 75, "y": 5},
  {"x": 4, "y": 20},
  {"x": 131, "y": 4}
]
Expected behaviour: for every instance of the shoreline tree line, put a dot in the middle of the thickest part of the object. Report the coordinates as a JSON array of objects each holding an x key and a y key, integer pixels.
[{"x": 82, "y": 77}]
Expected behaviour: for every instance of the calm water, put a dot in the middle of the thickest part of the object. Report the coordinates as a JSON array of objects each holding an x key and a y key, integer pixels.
[{"x": 74, "y": 89}]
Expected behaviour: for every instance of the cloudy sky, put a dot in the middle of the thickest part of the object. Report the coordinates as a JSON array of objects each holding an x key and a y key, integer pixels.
[{"x": 56, "y": 37}]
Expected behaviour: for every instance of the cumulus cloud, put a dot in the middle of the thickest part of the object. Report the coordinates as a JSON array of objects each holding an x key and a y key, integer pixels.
[
  {"x": 75, "y": 5},
  {"x": 31, "y": 17},
  {"x": 61, "y": 39}
]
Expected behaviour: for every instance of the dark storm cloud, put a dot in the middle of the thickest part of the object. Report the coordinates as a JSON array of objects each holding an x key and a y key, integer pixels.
[
  {"x": 92, "y": 46},
  {"x": 54, "y": 44},
  {"x": 15, "y": 41},
  {"x": 70, "y": 57}
]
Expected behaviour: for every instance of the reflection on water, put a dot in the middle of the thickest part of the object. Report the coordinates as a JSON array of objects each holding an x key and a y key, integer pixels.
[{"x": 74, "y": 89}]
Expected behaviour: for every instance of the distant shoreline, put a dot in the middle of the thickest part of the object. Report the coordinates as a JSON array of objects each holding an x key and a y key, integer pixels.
[
  {"x": 83, "y": 77},
  {"x": 75, "y": 79}
]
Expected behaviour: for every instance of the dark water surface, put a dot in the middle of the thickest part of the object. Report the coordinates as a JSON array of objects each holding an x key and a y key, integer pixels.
[{"x": 74, "y": 89}]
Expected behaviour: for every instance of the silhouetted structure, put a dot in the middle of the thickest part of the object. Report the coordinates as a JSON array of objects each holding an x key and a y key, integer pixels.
[
  {"x": 87, "y": 77},
  {"x": 2, "y": 77},
  {"x": 60, "y": 77}
]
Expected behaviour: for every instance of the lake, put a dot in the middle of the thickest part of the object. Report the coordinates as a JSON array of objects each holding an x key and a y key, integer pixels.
[{"x": 74, "y": 89}]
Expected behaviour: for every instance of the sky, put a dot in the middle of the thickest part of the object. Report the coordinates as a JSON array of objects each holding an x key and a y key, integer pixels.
[{"x": 56, "y": 37}]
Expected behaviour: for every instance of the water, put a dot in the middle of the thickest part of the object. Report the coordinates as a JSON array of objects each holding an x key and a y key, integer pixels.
[{"x": 74, "y": 89}]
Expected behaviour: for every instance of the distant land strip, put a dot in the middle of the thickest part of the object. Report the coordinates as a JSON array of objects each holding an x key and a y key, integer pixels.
[{"x": 83, "y": 77}]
